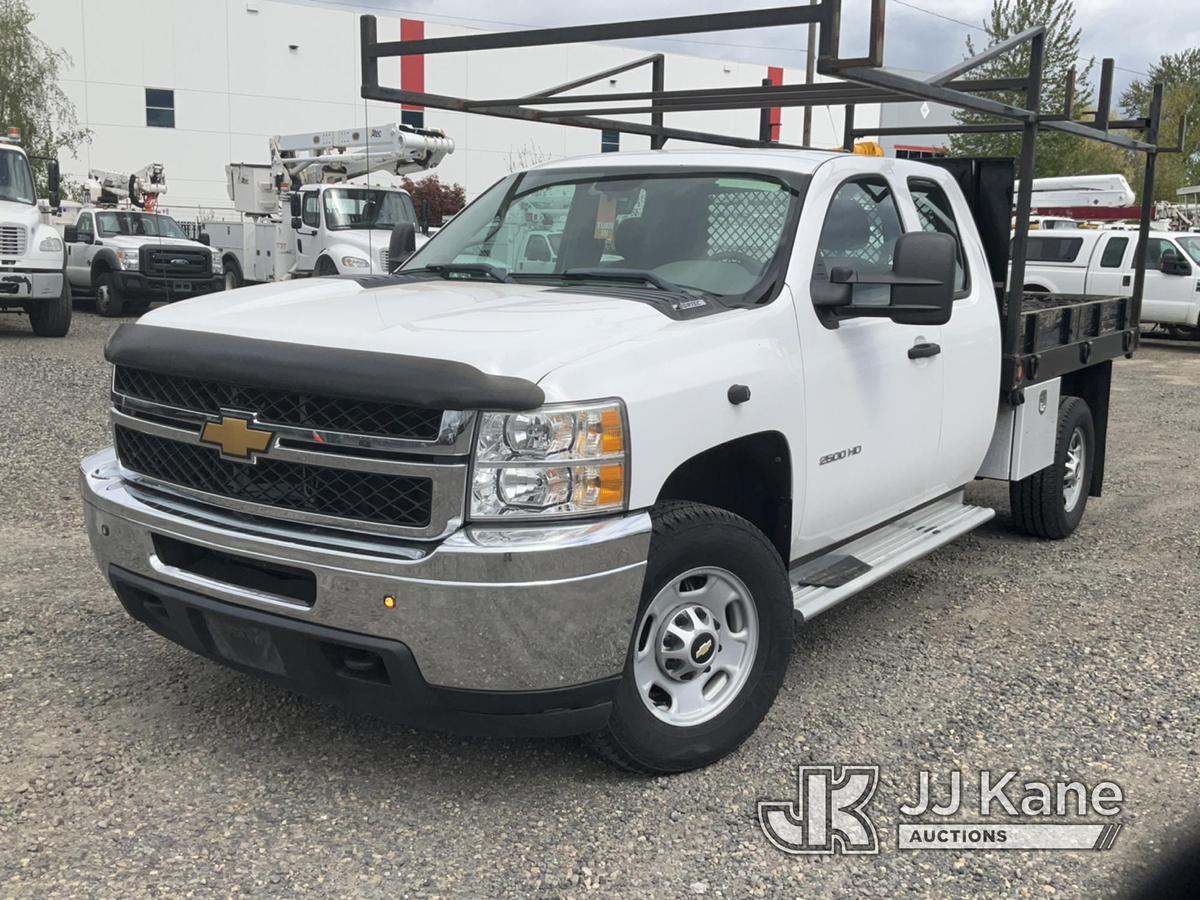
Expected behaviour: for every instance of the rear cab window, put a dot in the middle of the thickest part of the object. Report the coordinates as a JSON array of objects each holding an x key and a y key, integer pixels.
[
  {"x": 1053, "y": 249},
  {"x": 934, "y": 213}
]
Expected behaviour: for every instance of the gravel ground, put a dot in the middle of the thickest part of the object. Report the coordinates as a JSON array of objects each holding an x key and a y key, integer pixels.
[{"x": 129, "y": 767}]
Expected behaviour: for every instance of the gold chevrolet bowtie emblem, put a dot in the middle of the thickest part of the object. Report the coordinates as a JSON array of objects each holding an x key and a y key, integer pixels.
[{"x": 236, "y": 438}]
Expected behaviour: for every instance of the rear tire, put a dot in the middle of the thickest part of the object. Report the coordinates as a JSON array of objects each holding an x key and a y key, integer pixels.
[
  {"x": 710, "y": 645},
  {"x": 1050, "y": 503},
  {"x": 53, "y": 317},
  {"x": 109, "y": 301}
]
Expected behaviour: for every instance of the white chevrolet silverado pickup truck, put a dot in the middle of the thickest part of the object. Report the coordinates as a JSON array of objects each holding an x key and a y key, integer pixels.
[{"x": 594, "y": 499}]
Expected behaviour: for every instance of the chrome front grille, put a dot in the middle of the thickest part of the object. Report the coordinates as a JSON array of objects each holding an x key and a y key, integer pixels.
[
  {"x": 12, "y": 240},
  {"x": 344, "y": 464}
]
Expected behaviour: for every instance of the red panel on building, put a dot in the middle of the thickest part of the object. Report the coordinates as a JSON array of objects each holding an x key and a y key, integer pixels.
[
  {"x": 412, "y": 68},
  {"x": 775, "y": 76}
]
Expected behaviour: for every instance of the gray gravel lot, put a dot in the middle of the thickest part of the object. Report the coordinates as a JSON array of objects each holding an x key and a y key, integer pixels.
[{"x": 129, "y": 767}]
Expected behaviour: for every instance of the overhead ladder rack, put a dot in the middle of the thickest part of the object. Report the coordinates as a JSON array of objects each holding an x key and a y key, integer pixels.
[{"x": 856, "y": 80}]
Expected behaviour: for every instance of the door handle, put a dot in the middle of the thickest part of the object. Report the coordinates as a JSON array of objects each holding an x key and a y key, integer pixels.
[{"x": 923, "y": 350}]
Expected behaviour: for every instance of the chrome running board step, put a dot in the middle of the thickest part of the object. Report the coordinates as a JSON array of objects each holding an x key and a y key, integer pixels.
[{"x": 822, "y": 582}]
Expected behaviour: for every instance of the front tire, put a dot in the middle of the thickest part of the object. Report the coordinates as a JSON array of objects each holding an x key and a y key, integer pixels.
[
  {"x": 1050, "y": 503},
  {"x": 110, "y": 303},
  {"x": 233, "y": 275},
  {"x": 710, "y": 645},
  {"x": 325, "y": 267},
  {"x": 53, "y": 317}
]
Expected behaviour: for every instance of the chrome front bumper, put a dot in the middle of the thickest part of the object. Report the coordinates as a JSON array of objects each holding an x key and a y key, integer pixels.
[{"x": 513, "y": 608}]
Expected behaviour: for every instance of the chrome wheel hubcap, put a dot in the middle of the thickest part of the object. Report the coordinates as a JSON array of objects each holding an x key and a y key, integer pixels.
[
  {"x": 695, "y": 646},
  {"x": 1074, "y": 469}
]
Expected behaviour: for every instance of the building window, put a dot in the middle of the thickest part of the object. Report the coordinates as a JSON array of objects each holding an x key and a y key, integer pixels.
[
  {"x": 414, "y": 118},
  {"x": 610, "y": 141},
  {"x": 160, "y": 108}
]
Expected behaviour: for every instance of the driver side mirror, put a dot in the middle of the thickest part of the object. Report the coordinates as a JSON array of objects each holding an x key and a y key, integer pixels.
[
  {"x": 71, "y": 234},
  {"x": 54, "y": 184},
  {"x": 1173, "y": 264},
  {"x": 921, "y": 284},
  {"x": 204, "y": 239},
  {"x": 402, "y": 244},
  {"x": 294, "y": 205},
  {"x": 296, "y": 222}
]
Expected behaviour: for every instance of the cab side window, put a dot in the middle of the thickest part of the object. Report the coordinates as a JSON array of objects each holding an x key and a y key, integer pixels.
[
  {"x": 1114, "y": 252},
  {"x": 934, "y": 213},
  {"x": 311, "y": 211},
  {"x": 860, "y": 232}
]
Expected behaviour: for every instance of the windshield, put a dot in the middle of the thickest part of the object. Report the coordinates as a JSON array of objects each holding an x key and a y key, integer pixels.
[
  {"x": 714, "y": 233},
  {"x": 16, "y": 181},
  {"x": 1192, "y": 246},
  {"x": 363, "y": 208},
  {"x": 135, "y": 224}
]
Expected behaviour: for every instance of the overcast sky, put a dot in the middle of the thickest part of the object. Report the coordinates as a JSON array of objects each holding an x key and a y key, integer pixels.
[{"x": 922, "y": 34}]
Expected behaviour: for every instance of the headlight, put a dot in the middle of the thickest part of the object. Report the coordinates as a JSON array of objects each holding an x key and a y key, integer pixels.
[
  {"x": 355, "y": 262},
  {"x": 50, "y": 245},
  {"x": 218, "y": 264},
  {"x": 555, "y": 461},
  {"x": 128, "y": 258}
]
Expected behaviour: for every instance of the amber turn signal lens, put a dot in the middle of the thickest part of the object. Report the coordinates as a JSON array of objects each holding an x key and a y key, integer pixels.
[
  {"x": 613, "y": 435},
  {"x": 612, "y": 485}
]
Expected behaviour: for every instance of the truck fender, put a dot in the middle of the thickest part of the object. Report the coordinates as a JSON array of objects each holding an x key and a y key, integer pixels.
[
  {"x": 104, "y": 260},
  {"x": 750, "y": 476}
]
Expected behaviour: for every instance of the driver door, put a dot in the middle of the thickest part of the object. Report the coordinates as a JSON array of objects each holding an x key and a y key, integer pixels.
[
  {"x": 79, "y": 271},
  {"x": 1167, "y": 298},
  {"x": 307, "y": 241},
  {"x": 872, "y": 412}
]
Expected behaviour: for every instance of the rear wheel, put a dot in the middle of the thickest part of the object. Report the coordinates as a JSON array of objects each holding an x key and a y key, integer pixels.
[
  {"x": 1184, "y": 332},
  {"x": 109, "y": 300},
  {"x": 1051, "y": 503},
  {"x": 52, "y": 318},
  {"x": 710, "y": 645}
]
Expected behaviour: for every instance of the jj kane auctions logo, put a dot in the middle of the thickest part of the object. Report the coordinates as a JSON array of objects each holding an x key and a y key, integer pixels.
[{"x": 829, "y": 814}]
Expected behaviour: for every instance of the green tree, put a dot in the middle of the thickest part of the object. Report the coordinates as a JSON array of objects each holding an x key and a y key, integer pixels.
[
  {"x": 1057, "y": 154},
  {"x": 30, "y": 96},
  {"x": 1179, "y": 74}
]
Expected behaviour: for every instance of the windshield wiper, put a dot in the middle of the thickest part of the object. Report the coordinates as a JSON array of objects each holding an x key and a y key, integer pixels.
[
  {"x": 449, "y": 270},
  {"x": 629, "y": 276}
]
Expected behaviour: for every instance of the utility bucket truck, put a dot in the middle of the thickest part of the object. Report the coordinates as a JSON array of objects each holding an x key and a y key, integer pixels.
[
  {"x": 32, "y": 262},
  {"x": 306, "y": 213},
  {"x": 140, "y": 189},
  {"x": 593, "y": 496}
]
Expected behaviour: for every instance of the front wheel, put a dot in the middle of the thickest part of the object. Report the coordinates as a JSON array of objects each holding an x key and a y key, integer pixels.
[
  {"x": 710, "y": 646},
  {"x": 109, "y": 300},
  {"x": 1051, "y": 503},
  {"x": 52, "y": 318}
]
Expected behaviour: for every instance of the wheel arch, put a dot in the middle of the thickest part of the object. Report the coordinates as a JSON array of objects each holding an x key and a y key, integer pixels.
[{"x": 750, "y": 476}]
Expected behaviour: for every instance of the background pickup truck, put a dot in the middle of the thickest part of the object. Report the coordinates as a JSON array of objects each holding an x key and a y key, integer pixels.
[
  {"x": 129, "y": 258},
  {"x": 593, "y": 498},
  {"x": 1102, "y": 262}
]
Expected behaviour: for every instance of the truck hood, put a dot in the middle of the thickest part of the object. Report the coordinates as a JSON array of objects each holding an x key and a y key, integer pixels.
[
  {"x": 520, "y": 330},
  {"x": 133, "y": 243},
  {"x": 19, "y": 214}
]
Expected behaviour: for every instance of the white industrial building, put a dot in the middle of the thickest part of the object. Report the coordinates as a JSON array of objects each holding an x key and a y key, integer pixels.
[{"x": 195, "y": 84}]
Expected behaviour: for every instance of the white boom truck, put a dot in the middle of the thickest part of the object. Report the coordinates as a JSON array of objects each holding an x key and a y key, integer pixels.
[
  {"x": 32, "y": 260},
  {"x": 302, "y": 216},
  {"x": 593, "y": 498},
  {"x": 140, "y": 189}
]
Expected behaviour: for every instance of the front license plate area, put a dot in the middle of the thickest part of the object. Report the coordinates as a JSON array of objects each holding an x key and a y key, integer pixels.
[{"x": 246, "y": 645}]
